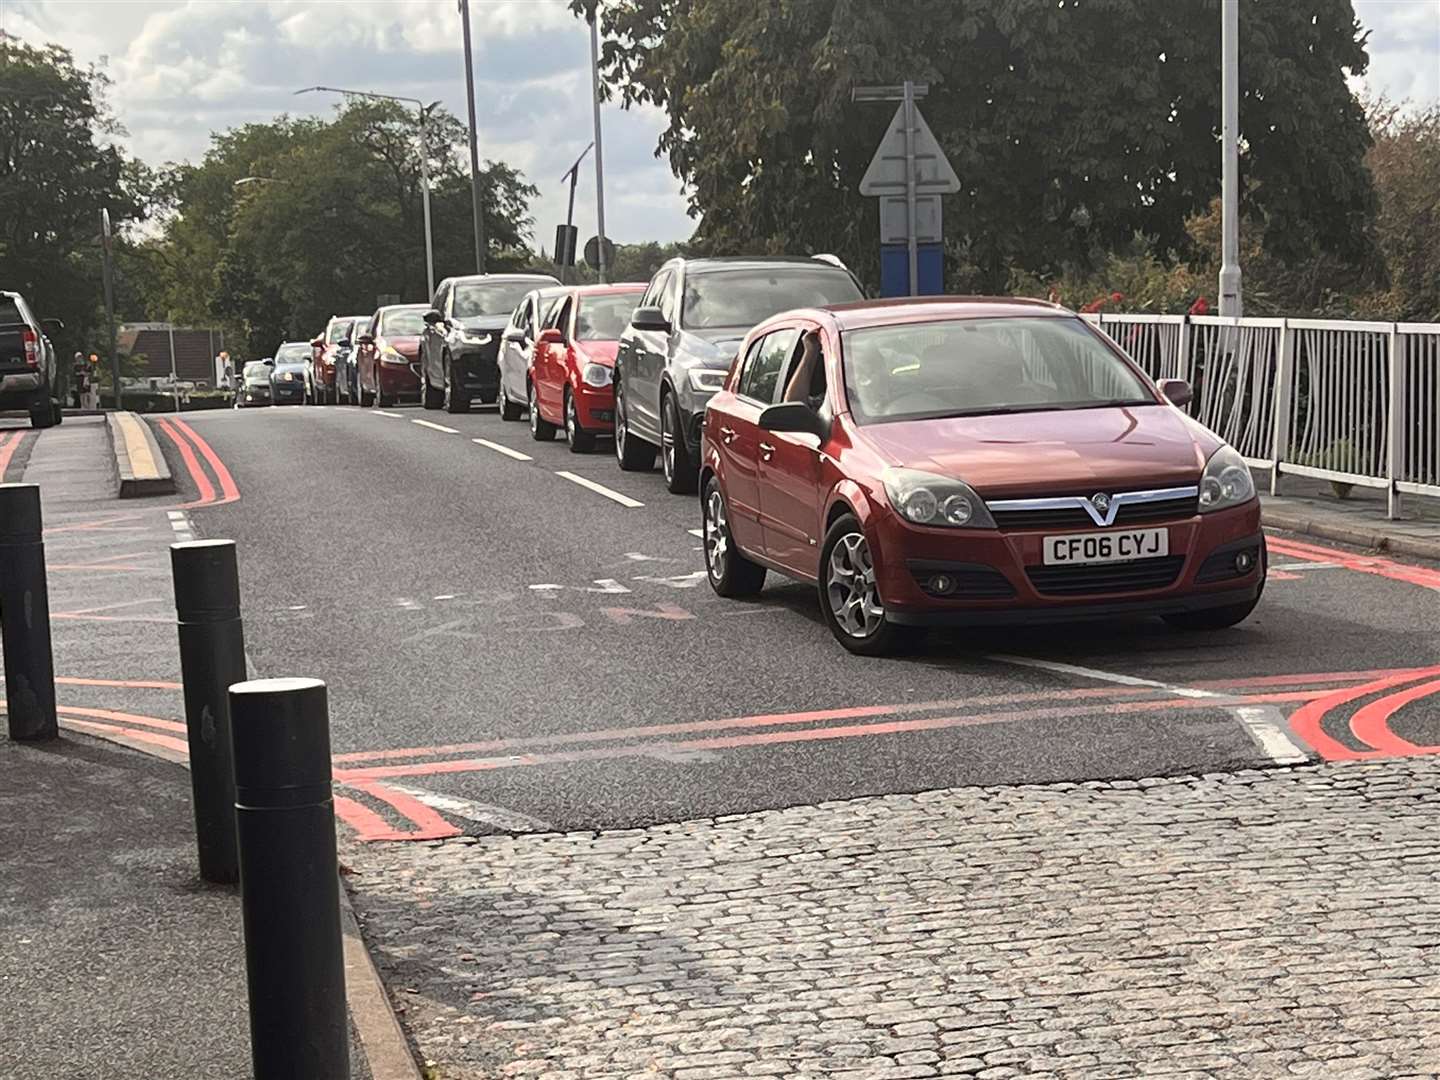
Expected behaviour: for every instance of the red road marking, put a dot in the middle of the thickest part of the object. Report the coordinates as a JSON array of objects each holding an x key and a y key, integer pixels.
[
  {"x": 9, "y": 443},
  {"x": 122, "y": 717},
  {"x": 429, "y": 825},
  {"x": 127, "y": 684},
  {"x": 133, "y": 734},
  {"x": 934, "y": 723},
  {"x": 192, "y": 463},
  {"x": 368, "y": 825},
  {"x": 1371, "y": 724},
  {"x": 1364, "y": 564},
  {"x": 1306, "y": 721},
  {"x": 105, "y": 524}
]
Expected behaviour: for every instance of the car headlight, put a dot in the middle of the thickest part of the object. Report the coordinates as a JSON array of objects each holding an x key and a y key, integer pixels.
[
  {"x": 708, "y": 380},
  {"x": 287, "y": 376},
  {"x": 475, "y": 339},
  {"x": 596, "y": 375},
  {"x": 928, "y": 499},
  {"x": 1226, "y": 481},
  {"x": 391, "y": 355}
]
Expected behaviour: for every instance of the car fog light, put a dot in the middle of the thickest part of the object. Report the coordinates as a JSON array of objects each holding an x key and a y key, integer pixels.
[
  {"x": 943, "y": 584},
  {"x": 957, "y": 509},
  {"x": 1244, "y": 561}
]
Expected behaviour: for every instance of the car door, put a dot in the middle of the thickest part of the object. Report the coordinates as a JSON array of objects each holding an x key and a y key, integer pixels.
[
  {"x": 512, "y": 352},
  {"x": 789, "y": 470},
  {"x": 734, "y": 430},
  {"x": 365, "y": 353},
  {"x": 550, "y": 362},
  {"x": 432, "y": 342},
  {"x": 643, "y": 368}
]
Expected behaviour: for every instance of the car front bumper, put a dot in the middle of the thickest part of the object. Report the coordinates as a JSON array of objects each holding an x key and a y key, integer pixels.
[
  {"x": 998, "y": 576},
  {"x": 399, "y": 379},
  {"x": 288, "y": 393},
  {"x": 595, "y": 407},
  {"x": 479, "y": 365},
  {"x": 250, "y": 396}
]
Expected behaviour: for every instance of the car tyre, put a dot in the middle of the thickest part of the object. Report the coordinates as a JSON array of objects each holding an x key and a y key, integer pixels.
[
  {"x": 42, "y": 413},
  {"x": 1218, "y": 618},
  {"x": 680, "y": 471},
  {"x": 454, "y": 398},
  {"x": 849, "y": 598},
  {"x": 430, "y": 398},
  {"x": 508, "y": 409},
  {"x": 580, "y": 440},
  {"x": 632, "y": 453},
  {"x": 730, "y": 573},
  {"x": 487, "y": 397},
  {"x": 541, "y": 430}
]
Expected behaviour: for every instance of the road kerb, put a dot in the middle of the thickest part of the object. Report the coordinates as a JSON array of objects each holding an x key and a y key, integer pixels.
[
  {"x": 386, "y": 1048},
  {"x": 140, "y": 467},
  {"x": 1376, "y": 538}
]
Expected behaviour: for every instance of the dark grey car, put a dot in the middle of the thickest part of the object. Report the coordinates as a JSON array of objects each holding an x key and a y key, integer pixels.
[
  {"x": 682, "y": 339},
  {"x": 460, "y": 348}
]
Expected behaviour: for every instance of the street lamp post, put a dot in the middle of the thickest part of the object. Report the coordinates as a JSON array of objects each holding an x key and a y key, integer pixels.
[
  {"x": 1230, "y": 296},
  {"x": 599, "y": 152},
  {"x": 476, "y": 201},
  {"x": 425, "y": 111},
  {"x": 572, "y": 174}
]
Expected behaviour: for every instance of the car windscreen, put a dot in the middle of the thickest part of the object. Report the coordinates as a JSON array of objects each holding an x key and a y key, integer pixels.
[
  {"x": 604, "y": 318},
  {"x": 257, "y": 372},
  {"x": 476, "y": 298},
  {"x": 403, "y": 323},
  {"x": 978, "y": 367},
  {"x": 742, "y": 298},
  {"x": 296, "y": 353},
  {"x": 338, "y": 331},
  {"x": 9, "y": 312}
]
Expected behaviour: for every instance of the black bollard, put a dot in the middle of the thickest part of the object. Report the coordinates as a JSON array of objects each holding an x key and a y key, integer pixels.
[
  {"x": 289, "y": 883},
  {"x": 25, "y": 616},
  {"x": 212, "y": 659}
]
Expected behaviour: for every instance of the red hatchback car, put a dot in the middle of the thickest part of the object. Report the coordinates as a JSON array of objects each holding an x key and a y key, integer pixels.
[
  {"x": 573, "y": 361},
  {"x": 970, "y": 461},
  {"x": 387, "y": 356}
]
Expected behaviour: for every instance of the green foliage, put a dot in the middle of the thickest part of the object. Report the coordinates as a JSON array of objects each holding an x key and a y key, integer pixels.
[
  {"x": 334, "y": 222},
  {"x": 57, "y": 172},
  {"x": 1405, "y": 162},
  {"x": 1073, "y": 125}
]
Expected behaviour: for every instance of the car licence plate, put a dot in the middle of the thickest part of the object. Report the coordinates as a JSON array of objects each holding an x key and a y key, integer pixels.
[{"x": 1077, "y": 548}]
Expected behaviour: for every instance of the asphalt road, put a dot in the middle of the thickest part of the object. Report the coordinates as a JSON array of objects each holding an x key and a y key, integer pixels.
[{"x": 517, "y": 651}]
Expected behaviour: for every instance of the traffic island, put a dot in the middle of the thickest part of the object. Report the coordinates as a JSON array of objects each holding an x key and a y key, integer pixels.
[{"x": 140, "y": 467}]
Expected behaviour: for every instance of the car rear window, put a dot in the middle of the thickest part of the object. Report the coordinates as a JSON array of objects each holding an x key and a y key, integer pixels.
[
  {"x": 741, "y": 298},
  {"x": 9, "y": 313}
]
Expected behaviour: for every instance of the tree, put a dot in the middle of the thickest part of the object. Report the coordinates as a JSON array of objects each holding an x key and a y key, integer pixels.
[
  {"x": 57, "y": 173},
  {"x": 1405, "y": 162},
  {"x": 1073, "y": 124}
]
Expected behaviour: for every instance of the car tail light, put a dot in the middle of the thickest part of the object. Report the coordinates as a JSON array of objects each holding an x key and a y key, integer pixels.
[{"x": 32, "y": 346}]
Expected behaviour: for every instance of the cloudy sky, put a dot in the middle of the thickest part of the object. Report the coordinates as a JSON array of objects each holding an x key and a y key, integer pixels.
[{"x": 185, "y": 69}]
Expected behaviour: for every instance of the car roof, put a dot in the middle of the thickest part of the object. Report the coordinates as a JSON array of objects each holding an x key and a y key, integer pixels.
[
  {"x": 287, "y": 344},
  {"x": 611, "y": 289},
  {"x": 700, "y": 265},
  {"x": 857, "y": 314},
  {"x": 500, "y": 277},
  {"x": 401, "y": 307}
]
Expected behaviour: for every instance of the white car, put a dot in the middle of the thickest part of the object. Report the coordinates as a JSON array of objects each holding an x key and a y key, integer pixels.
[{"x": 516, "y": 343}]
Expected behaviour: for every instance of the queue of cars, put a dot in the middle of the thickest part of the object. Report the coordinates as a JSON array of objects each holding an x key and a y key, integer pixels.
[{"x": 920, "y": 462}]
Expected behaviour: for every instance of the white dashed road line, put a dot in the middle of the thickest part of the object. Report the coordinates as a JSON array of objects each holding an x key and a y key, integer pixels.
[
  {"x": 392, "y": 415},
  {"x": 436, "y": 427},
  {"x": 499, "y": 449},
  {"x": 600, "y": 489},
  {"x": 697, "y": 532}
]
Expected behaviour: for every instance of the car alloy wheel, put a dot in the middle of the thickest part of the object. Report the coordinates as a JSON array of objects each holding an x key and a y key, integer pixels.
[
  {"x": 667, "y": 444},
  {"x": 541, "y": 430},
  {"x": 619, "y": 425},
  {"x": 716, "y": 530},
  {"x": 850, "y": 587}
]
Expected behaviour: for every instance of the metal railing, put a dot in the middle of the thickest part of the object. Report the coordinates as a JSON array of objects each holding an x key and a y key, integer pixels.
[{"x": 1351, "y": 402}]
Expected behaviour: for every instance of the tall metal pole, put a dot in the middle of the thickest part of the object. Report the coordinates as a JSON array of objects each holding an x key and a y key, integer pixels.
[
  {"x": 475, "y": 199},
  {"x": 1230, "y": 297},
  {"x": 911, "y": 244},
  {"x": 425, "y": 203},
  {"x": 569, "y": 218},
  {"x": 109, "y": 276},
  {"x": 599, "y": 152},
  {"x": 174, "y": 380}
]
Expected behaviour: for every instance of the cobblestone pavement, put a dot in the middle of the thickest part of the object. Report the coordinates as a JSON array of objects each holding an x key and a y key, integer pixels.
[{"x": 1260, "y": 924}]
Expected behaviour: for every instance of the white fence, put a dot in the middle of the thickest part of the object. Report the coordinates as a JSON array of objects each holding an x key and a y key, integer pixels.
[{"x": 1353, "y": 402}]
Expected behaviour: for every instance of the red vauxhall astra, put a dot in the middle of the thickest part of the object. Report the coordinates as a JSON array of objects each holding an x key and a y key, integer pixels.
[{"x": 967, "y": 462}]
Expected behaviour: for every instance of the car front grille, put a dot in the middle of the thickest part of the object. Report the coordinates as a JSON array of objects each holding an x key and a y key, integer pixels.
[
  {"x": 1076, "y": 517},
  {"x": 1106, "y": 577}
]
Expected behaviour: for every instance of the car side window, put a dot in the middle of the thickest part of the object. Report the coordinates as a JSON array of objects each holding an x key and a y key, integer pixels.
[
  {"x": 761, "y": 378},
  {"x": 804, "y": 379},
  {"x": 521, "y": 319},
  {"x": 658, "y": 289},
  {"x": 667, "y": 301},
  {"x": 442, "y": 300}
]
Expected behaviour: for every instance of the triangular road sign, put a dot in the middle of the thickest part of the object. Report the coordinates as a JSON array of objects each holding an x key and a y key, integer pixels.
[{"x": 886, "y": 174}]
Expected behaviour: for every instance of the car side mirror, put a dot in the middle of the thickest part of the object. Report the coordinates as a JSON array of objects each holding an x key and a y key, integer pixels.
[
  {"x": 650, "y": 318},
  {"x": 366, "y": 339},
  {"x": 794, "y": 416},
  {"x": 51, "y": 326},
  {"x": 550, "y": 336},
  {"x": 432, "y": 317},
  {"x": 268, "y": 362},
  {"x": 1176, "y": 391},
  {"x": 514, "y": 334}
]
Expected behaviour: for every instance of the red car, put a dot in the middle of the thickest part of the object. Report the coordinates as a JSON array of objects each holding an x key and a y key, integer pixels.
[
  {"x": 388, "y": 355},
  {"x": 573, "y": 360},
  {"x": 320, "y": 384},
  {"x": 970, "y": 461}
]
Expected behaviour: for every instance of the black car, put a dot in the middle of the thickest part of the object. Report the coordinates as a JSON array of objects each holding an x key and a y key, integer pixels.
[
  {"x": 30, "y": 376},
  {"x": 255, "y": 384},
  {"x": 682, "y": 339},
  {"x": 460, "y": 348},
  {"x": 287, "y": 377}
]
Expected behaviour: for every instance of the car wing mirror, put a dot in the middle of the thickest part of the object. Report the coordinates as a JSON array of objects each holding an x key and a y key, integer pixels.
[
  {"x": 366, "y": 339},
  {"x": 51, "y": 326},
  {"x": 1176, "y": 391},
  {"x": 794, "y": 416},
  {"x": 318, "y": 343},
  {"x": 432, "y": 317},
  {"x": 650, "y": 318},
  {"x": 550, "y": 336},
  {"x": 514, "y": 334}
]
